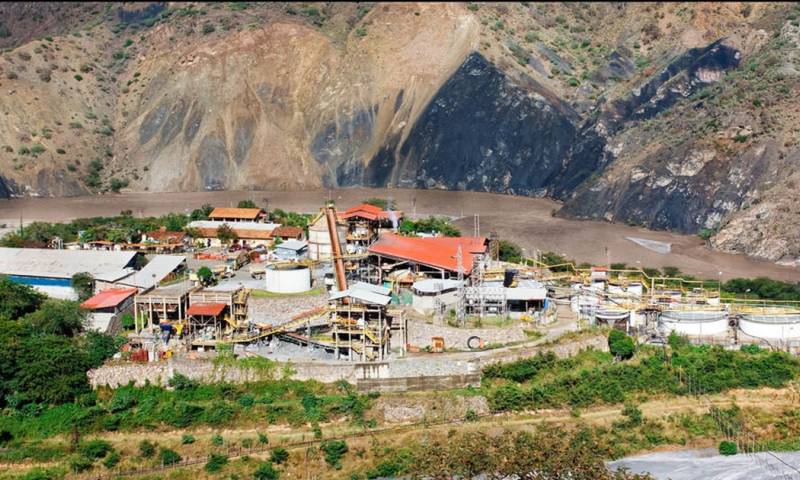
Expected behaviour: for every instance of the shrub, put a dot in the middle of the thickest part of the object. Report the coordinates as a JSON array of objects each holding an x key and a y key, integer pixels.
[
  {"x": 620, "y": 345},
  {"x": 633, "y": 413},
  {"x": 147, "y": 449},
  {"x": 187, "y": 439},
  {"x": 266, "y": 471},
  {"x": 471, "y": 416},
  {"x": 61, "y": 151},
  {"x": 726, "y": 447},
  {"x": 262, "y": 438},
  {"x": 127, "y": 321},
  {"x": 95, "y": 449},
  {"x": 361, "y": 32},
  {"x": 217, "y": 440},
  {"x": 116, "y": 184},
  {"x": 278, "y": 455},
  {"x": 78, "y": 77},
  {"x": 215, "y": 462},
  {"x": 112, "y": 460},
  {"x": 334, "y": 450},
  {"x": 79, "y": 463},
  {"x": 208, "y": 28},
  {"x": 23, "y": 150},
  {"x": 169, "y": 457}
]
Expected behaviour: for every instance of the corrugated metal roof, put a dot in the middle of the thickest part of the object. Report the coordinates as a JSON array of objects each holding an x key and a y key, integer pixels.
[
  {"x": 244, "y": 230},
  {"x": 439, "y": 252},
  {"x": 206, "y": 309},
  {"x": 293, "y": 245},
  {"x": 243, "y": 213},
  {"x": 364, "y": 296},
  {"x": 41, "y": 262},
  {"x": 379, "y": 289},
  {"x": 154, "y": 272},
  {"x": 108, "y": 298}
]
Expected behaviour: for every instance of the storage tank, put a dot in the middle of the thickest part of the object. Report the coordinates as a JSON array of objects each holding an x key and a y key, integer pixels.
[
  {"x": 288, "y": 278},
  {"x": 695, "y": 322},
  {"x": 771, "y": 323}
]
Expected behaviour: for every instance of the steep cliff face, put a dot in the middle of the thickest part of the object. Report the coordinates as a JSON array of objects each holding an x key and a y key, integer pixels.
[{"x": 674, "y": 116}]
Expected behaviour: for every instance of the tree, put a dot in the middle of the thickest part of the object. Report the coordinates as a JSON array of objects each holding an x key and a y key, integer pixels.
[
  {"x": 205, "y": 275},
  {"x": 334, "y": 450},
  {"x": 726, "y": 447},
  {"x": 201, "y": 213},
  {"x": 17, "y": 299},
  {"x": 147, "y": 449},
  {"x": 510, "y": 252},
  {"x": 266, "y": 471},
  {"x": 620, "y": 345},
  {"x": 225, "y": 234},
  {"x": 83, "y": 284},
  {"x": 58, "y": 317},
  {"x": 169, "y": 456},
  {"x": 278, "y": 455},
  {"x": 246, "y": 204}
]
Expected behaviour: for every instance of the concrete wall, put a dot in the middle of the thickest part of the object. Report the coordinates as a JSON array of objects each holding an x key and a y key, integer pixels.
[
  {"x": 420, "y": 333},
  {"x": 421, "y": 372}
]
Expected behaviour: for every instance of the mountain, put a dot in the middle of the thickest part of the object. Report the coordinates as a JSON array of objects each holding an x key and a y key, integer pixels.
[{"x": 678, "y": 116}]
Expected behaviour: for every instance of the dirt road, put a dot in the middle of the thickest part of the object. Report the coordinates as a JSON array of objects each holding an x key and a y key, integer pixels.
[{"x": 524, "y": 220}]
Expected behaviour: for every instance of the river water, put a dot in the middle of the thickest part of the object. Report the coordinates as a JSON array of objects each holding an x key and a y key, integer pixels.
[{"x": 524, "y": 220}]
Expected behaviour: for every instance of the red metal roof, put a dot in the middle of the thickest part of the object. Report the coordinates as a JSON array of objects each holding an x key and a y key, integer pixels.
[
  {"x": 439, "y": 252},
  {"x": 206, "y": 309},
  {"x": 108, "y": 298},
  {"x": 370, "y": 212}
]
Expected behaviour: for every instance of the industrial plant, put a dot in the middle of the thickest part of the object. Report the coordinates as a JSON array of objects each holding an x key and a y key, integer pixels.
[{"x": 351, "y": 287}]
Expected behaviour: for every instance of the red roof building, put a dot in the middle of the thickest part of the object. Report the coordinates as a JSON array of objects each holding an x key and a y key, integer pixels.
[
  {"x": 436, "y": 252},
  {"x": 288, "y": 233},
  {"x": 369, "y": 212},
  {"x": 108, "y": 299}
]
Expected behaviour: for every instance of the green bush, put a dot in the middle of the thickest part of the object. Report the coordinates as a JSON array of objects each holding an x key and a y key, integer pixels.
[
  {"x": 79, "y": 463},
  {"x": 278, "y": 455},
  {"x": 334, "y": 451},
  {"x": 215, "y": 462},
  {"x": 208, "y": 28},
  {"x": 112, "y": 459},
  {"x": 169, "y": 457},
  {"x": 147, "y": 449},
  {"x": 216, "y": 440},
  {"x": 78, "y": 77},
  {"x": 262, "y": 438},
  {"x": 620, "y": 345},
  {"x": 266, "y": 471},
  {"x": 726, "y": 447},
  {"x": 187, "y": 439},
  {"x": 95, "y": 449}
]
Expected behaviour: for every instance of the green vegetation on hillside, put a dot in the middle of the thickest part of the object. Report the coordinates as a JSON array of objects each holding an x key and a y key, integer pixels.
[{"x": 593, "y": 377}]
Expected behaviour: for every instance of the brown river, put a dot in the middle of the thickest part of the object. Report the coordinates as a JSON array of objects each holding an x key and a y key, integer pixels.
[{"x": 523, "y": 220}]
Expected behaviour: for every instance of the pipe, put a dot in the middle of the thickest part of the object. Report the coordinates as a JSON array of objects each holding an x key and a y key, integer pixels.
[{"x": 338, "y": 263}]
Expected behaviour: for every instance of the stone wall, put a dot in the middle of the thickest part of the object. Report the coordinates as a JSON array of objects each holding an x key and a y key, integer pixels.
[
  {"x": 417, "y": 372},
  {"x": 420, "y": 333}
]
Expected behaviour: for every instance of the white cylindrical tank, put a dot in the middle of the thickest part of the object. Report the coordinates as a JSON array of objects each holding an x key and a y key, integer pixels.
[
  {"x": 287, "y": 278},
  {"x": 771, "y": 325},
  {"x": 695, "y": 323}
]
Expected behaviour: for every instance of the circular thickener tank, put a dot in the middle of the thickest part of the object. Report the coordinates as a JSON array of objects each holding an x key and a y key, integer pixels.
[
  {"x": 695, "y": 323},
  {"x": 288, "y": 278},
  {"x": 773, "y": 325}
]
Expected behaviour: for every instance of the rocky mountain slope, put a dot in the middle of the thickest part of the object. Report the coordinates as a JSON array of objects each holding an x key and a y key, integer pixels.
[{"x": 668, "y": 115}]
